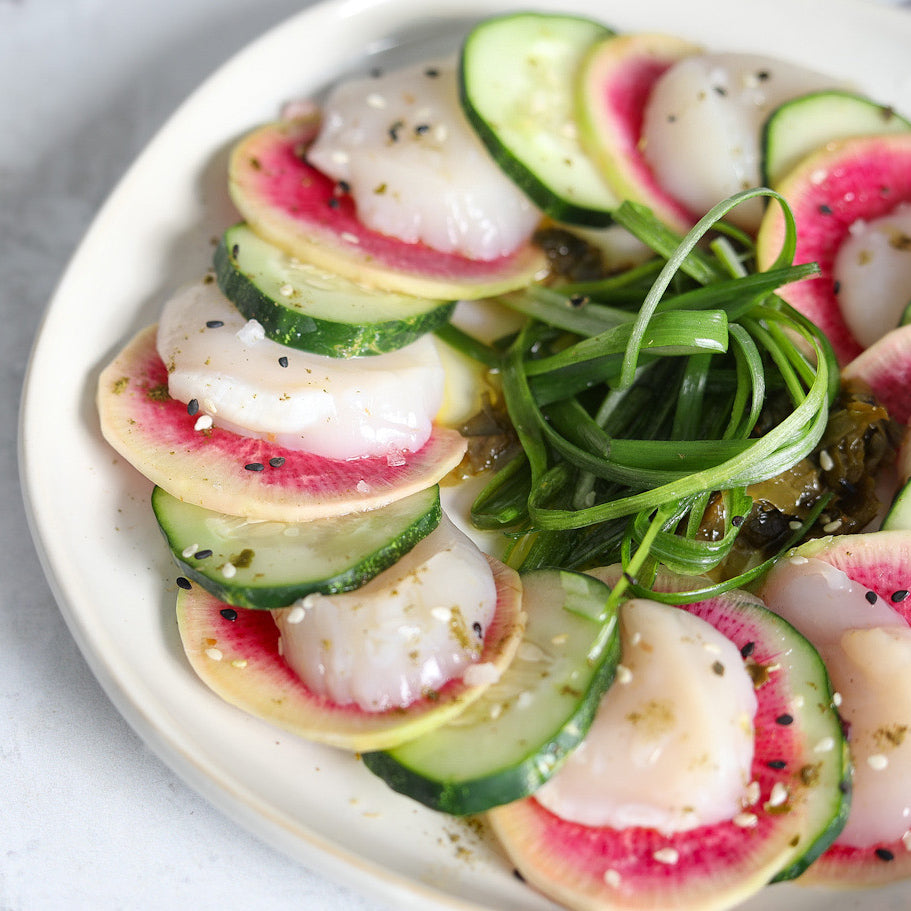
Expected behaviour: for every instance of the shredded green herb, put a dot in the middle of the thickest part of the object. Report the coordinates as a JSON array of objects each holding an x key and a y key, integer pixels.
[{"x": 637, "y": 402}]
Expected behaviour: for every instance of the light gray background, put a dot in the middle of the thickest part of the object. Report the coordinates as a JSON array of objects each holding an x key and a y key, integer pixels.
[{"x": 89, "y": 818}]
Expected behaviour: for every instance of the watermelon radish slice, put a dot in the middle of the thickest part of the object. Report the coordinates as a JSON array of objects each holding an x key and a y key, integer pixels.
[
  {"x": 801, "y": 805},
  {"x": 235, "y": 653},
  {"x": 858, "y": 178},
  {"x": 297, "y": 208},
  {"x": 241, "y": 476},
  {"x": 616, "y": 80},
  {"x": 886, "y": 368},
  {"x": 881, "y": 563}
]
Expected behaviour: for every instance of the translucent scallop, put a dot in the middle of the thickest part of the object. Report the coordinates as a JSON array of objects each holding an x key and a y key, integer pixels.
[
  {"x": 872, "y": 272},
  {"x": 402, "y": 635},
  {"x": 415, "y": 167},
  {"x": 703, "y": 123},
  {"x": 671, "y": 747},
  {"x": 867, "y": 651},
  {"x": 340, "y": 408}
]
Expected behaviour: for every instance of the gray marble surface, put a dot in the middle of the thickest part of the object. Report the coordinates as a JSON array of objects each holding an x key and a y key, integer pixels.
[{"x": 89, "y": 817}]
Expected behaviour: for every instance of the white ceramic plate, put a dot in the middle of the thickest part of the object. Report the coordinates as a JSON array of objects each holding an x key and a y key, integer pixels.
[{"x": 90, "y": 513}]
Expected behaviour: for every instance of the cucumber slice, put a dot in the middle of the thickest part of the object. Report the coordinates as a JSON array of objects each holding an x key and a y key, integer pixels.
[
  {"x": 509, "y": 742},
  {"x": 518, "y": 83},
  {"x": 306, "y": 307},
  {"x": 898, "y": 518},
  {"x": 267, "y": 565},
  {"x": 807, "y": 123}
]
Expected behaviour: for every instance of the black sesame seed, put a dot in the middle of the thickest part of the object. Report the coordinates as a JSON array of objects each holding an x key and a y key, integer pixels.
[
  {"x": 718, "y": 668},
  {"x": 762, "y": 75},
  {"x": 431, "y": 72},
  {"x": 343, "y": 186},
  {"x": 785, "y": 719},
  {"x": 825, "y": 209},
  {"x": 748, "y": 649},
  {"x": 277, "y": 461},
  {"x": 255, "y": 466},
  {"x": 479, "y": 630},
  {"x": 193, "y": 407},
  {"x": 518, "y": 876},
  {"x": 283, "y": 361},
  {"x": 720, "y": 90},
  {"x": 578, "y": 300},
  {"x": 229, "y": 613},
  {"x": 737, "y": 521},
  {"x": 422, "y": 128},
  {"x": 900, "y": 595},
  {"x": 235, "y": 251},
  {"x": 884, "y": 854},
  {"x": 184, "y": 583},
  {"x": 836, "y": 287},
  {"x": 871, "y": 597},
  {"x": 776, "y": 764},
  {"x": 214, "y": 324},
  {"x": 203, "y": 554},
  {"x": 333, "y": 203},
  {"x": 376, "y": 72},
  {"x": 394, "y": 130}
]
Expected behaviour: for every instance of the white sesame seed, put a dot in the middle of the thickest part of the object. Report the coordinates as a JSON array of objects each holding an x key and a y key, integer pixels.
[
  {"x": 296, "y": 614},
  {"x": 239, "y": 662},
  {"x": 624, "y": 674},
  {"x": 251, "y": 332},
  {"x": 309, "y": 601},
  {"x": 826, "y": 463},
  {"x": 832, "y": 526},
  {"x": 836, "y": 699},
  {"x": 560, "y": 639},
  {"x": 189, "y": 551},
  {"x": 229, "y": 570},
  {"x": 339, "y": 156},
  {"x": 798, "y": 701},
  {"x": 496, "y": 710},
  {"x": 441, "y": 132},
  {"x": 746, "y": 820},
  {"x": 877, "y": 762},
  {"x": 906, "y": 840},
  {"x": 349, "y": 237},
  {"x": 712, "y": 648},
  {"x": 442, "y": 614},
  {"x": 826, "y": 745},
  {"x": 525, "y": 699},
  {"x": 794, "y": 524},
  {"x": 203, "y": 422},
  {"x": 376, "y": 101},
  {"x": 281, "y": 646},
  {"x": 779, "y": 795},
  {"x": 667, "y": 855},
  {"x": 286, "y": 290},
  {"x": 753, "y": 794},
  {"x": 612, "y": 878},
  {"x": 636, "y": 639},
  {"x": 362, "y": 487},
  {"x": 208, "y": 406},
  {"x": 798, "y": 560},
  {"x": 214, "y": 653}
]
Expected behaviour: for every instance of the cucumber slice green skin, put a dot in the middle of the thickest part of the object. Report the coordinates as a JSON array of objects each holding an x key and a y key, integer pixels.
[
  {"x": 804, "y": 124},
  {"x": 508, "y": 743},
  {"x": 313, "y": 310},
  {"x": 898, "y": 518},
  {"x": 276, "y": 563},
  {"x": 517, "y": 84}
]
